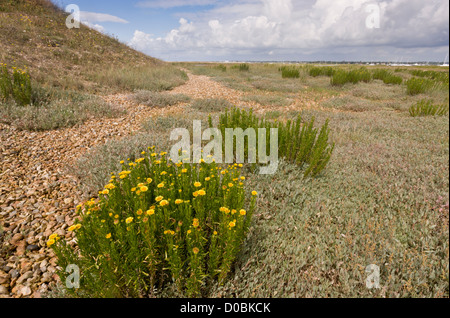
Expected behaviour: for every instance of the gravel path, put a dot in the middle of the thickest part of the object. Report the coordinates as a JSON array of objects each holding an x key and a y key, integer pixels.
[{"x": 37, "y": 197}]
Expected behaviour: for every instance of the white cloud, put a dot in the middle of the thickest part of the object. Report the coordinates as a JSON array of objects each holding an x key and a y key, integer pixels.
[
  {"x": 92, "y": 17},
  {"x": 96, "y": 27},
  {"x": 253, "y": 27}
]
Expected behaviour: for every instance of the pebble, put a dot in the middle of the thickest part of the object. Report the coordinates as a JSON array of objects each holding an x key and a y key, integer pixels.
[
  {"x": 32, "y": 247},
  {"x": 3, "y": 290}
]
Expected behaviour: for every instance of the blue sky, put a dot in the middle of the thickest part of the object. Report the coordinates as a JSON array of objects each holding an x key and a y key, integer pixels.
[{"x": 304, "y": 30}]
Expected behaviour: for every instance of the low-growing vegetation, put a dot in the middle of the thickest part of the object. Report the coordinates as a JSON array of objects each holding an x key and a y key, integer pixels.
[
  {"x": 54, "y": 109},
  {"x": 157, "y": 99},
  {"x": 211, "y": 105}
]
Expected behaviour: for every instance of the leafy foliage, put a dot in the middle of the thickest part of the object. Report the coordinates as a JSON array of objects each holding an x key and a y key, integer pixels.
[{"x": 159, "y": 223}]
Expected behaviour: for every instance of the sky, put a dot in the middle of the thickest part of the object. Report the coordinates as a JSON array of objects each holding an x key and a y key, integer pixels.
[{"x": 275, "y": 30}]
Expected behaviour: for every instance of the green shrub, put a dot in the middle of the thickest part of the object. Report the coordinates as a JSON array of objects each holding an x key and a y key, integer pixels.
[
  {"x": 321, "y": 71},
  {"x": 434, "y": 75},
  {"x": 221, "y": 67},
  {"x": 158, "y": 225},
  {"x": 359, "y": 75},
  {"x": 427, "y": 108},
  {"x": 380, "y": 74},
  {"x": 386, "y": 76},
  {"x": 244, "y": 67},
  {"x": 156, "y": 99},
  {"x": 339, "y": 78},
  {"x": 392, "y": 79},
  {"x": 298, "y": 142},
  {"x": 290, "y": 72},
  {"x": 415, "y": 86},
  {"x": 15, "y": 86}
]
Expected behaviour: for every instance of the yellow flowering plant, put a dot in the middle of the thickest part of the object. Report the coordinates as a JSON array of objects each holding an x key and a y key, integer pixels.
[
  {"x": 152, "y": 229},
  {"x": 16, "y": 86}
]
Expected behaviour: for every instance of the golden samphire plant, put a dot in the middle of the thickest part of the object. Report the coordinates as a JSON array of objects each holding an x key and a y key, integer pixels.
[{"x": 159, "y": 223}]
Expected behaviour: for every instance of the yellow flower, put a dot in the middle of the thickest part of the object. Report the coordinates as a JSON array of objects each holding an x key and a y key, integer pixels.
[
  {"x": 133, "y": 189},
  {"x": 105, "y": 191},
  {"x": 242, "y": 212},
  {"x": 108, "y": 236},
  {"x": 149, "y": 180},
  {"x": 50, "y": 242},
  {"x": 143, "y": 189},
  {"x": 53, "y": 236},
  {"x": 150, "y": 212},
  {"x": 161, "y": 185},
  {"x": 178, "y": 201},
  {"x": 201, "y": 192},
  {"x": 195, "y": 194},
  {"x": 233, "y": 211},
  {"x": 232, "y": 224},
  {"x": 230, "y": 185},
  {"x": 164, "y": 203},
  {"x": 225, "y": 210},
  {"x": 207, "y": 178},
  {"x": 242, "y": 178},
  {"x": 78, "y": 226},
  {"x": 159, "y": 198},
  {"x": 254, "y": 193},
  {"x": 188, "y": 231},
  {"x": 195, "y": 250},
  {"x": 140, "y": 160},
  {"x": 139, "y": 212},
  {"x": 72, "y": 228},
  {"x": 110, "y": 186},
  {"x": 197, "y": 184},
  {"x": 215, "y": 233},
  {"x": 195, "y": 223},
  {"x": 129, "y": 220},
  {"x": 184, "y": 170},
  {"x": 116, "y": 221}
]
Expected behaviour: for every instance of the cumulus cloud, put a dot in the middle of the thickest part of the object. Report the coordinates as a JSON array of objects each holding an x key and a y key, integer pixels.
[
  {"x": 92, "y": 17},
  {"x": 286, "y": 27}
]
